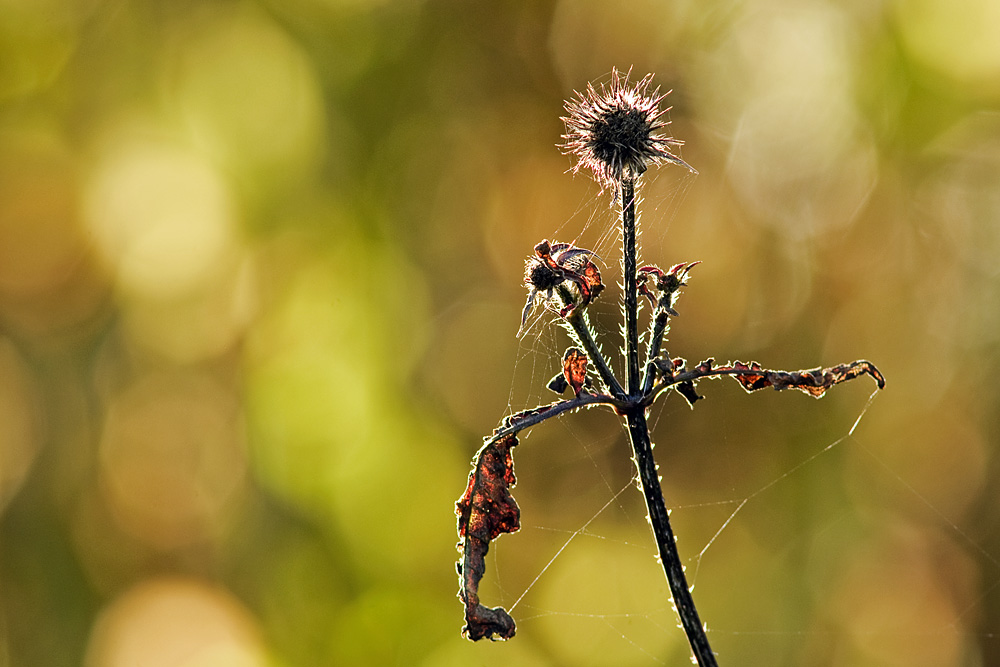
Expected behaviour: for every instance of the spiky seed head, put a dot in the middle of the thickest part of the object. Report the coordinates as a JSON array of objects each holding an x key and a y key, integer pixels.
[{"x": 615, "y": 132}]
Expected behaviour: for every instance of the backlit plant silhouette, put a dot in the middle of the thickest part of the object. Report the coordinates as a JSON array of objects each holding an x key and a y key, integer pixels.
[{"x": 616, "y": 133}]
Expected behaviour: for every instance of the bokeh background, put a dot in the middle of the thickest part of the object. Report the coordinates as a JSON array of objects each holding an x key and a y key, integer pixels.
[{"x": 260, "y": 269}]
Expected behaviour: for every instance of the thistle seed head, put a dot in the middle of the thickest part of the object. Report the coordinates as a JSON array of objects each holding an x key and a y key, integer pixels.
[{"x": 614, "y": 132}]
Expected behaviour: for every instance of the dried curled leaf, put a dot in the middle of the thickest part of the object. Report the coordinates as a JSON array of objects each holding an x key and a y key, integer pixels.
[
  {"x": 752, "y": 377},
  {"x": 574, "y": 373},
  {"x": 687, "y": 390},
  {"x": 485, "y": 511},
  {"x": 814, "y": 382}
]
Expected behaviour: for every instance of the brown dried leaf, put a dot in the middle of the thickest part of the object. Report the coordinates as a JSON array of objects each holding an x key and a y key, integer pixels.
[
  {"x": 687, "y": 390},
  {"x": 574, "y": 373},
  {"x": 485, "y": 511},
  {"x": 575, "y": 369},
  {"x": 592, "y": 277},
  {"x": 814, "y": 382}
]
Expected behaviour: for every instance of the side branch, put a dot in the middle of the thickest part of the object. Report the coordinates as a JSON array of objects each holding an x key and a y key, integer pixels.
[
  {"x": 581, "y": 327},
  {"x": 513, "y": 424},
  {"x": 656, "y": 333},
  {"x": 752, "y": 377},
  {"x": 668, "y": 284},
  {"x": 487, "y": 510}
]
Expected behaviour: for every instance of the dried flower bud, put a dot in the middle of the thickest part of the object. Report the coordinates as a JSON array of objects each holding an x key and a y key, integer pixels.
[
  {"x": 667, "y": 283},
  {"x": 613, "y": 132}
]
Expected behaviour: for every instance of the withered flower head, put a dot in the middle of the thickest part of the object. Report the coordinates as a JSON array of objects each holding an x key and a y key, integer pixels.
[
  {"x": 614, "y": 132},
  {"x": 553, "y": 264}
]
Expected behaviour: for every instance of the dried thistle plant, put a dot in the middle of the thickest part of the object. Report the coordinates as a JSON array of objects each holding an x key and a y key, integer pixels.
[{"x": 615, "y": 133}]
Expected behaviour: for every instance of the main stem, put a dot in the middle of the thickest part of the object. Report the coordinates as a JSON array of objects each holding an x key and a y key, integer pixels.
[
  {"x": 642, "y": 447},
  {"x": 630, "y": 288}
]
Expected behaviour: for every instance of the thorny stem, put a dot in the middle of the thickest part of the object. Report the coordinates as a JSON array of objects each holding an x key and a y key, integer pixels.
[
  {"x": 536, "y": 416},
  {"x": 649, "y": 397},
  {"x": 657, "y": 331},
  {"x": 814, "y": 381},
  {"x": 630, "y": 288},
  {"x": 581, "y": 327},
  {"x": 666, "y": 544},
  {"x": 642, "y": 448}
]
